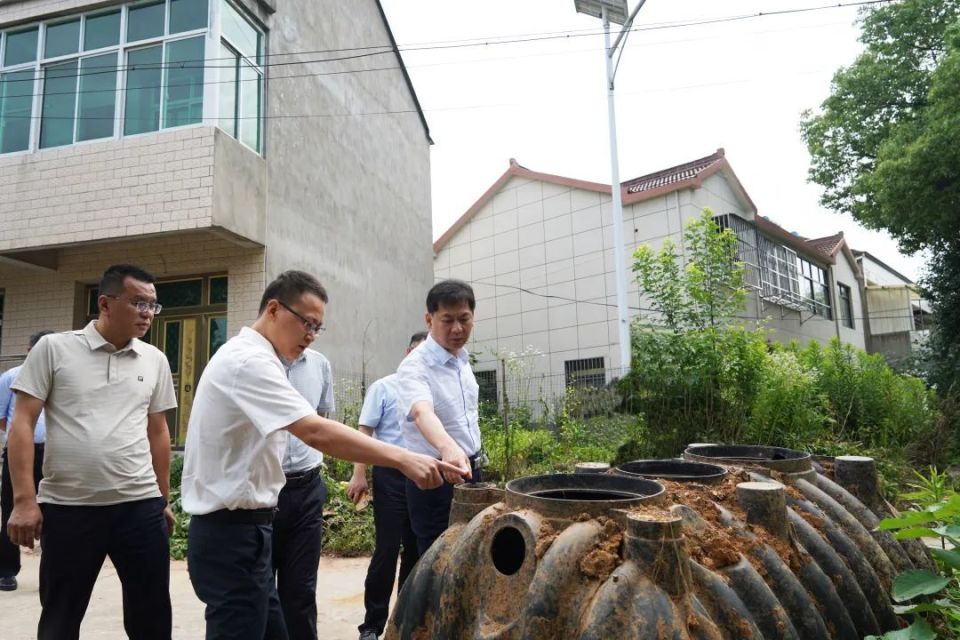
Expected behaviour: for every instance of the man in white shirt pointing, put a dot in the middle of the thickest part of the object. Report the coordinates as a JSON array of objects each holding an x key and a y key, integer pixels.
[{"x": 232, "y": 476}]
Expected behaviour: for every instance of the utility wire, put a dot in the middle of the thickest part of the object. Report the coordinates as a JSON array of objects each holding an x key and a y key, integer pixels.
[{"x": 376, "y": 50}]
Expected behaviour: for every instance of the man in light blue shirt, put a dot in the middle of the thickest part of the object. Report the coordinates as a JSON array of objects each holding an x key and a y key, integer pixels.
[
  {"x": 439, "y": 396},
  {"x": 298, "y": 527},
  {"x": 9, "y": 552},
  {"x": 382, "y": 418}
]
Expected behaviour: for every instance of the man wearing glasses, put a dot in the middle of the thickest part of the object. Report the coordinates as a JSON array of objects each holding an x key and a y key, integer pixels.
[
  {"x": 242, "y": 413},
  {"x": 298, "y": 526},
  {"x": 106, "y": 468}
]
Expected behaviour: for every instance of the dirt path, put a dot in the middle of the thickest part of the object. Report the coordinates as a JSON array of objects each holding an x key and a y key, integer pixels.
[{"x": 339, "y": 603}]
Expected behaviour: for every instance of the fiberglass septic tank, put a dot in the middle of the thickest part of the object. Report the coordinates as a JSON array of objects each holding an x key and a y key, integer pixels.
[{"x": 730, "y": 542}]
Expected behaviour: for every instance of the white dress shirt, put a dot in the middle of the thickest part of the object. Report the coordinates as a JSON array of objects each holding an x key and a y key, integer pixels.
[
  {"x": 432, "y": 374},
  {"x": 236, "y": 437}
]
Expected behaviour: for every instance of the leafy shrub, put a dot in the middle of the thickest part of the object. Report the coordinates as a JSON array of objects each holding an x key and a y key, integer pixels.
[
  {"x": 868, "y": 401},
  {"x": 347, "y": 532},
  {"x": 694, "y": 386},
  {"x": 178, "y": 537},
  {"x": 788, "y": 408}
]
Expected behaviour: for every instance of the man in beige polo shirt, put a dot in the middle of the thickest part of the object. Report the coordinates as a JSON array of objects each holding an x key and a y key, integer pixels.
[{"x": 107, "y": 462}]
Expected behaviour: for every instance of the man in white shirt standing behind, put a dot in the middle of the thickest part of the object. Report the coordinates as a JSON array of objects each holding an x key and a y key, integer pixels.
[
  {"x": 439, "y": 395},
  {"x": 298, "y": 527},
  {"x": 232, "y": 476}
]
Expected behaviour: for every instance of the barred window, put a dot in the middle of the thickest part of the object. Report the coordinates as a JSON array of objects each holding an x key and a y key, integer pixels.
[
  {"x": 487, "y": 380},
  {"x": 586, "y": 372}
]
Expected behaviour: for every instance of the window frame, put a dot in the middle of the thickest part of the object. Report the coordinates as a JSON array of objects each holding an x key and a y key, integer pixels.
[
  {"x": 578, "y": 373},
  {"x": 845, "y": 306},
  {"x": 256, "y": 64},
  {"x": 122, "y": 48}
]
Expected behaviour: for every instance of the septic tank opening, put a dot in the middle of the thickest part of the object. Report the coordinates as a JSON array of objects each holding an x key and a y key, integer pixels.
[{"x": 508, "y": 550}]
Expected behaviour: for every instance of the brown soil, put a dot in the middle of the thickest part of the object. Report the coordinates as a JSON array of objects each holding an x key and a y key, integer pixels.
[
  {"x": 545, "y": 538},
  {"x": 600, "y": 561}
]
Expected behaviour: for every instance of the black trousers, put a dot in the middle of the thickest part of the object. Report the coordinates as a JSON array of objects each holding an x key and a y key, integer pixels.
[
  {"x": 77, "y": 539},
  {"x": 393, "y": 530},
  {"x": 430, "y": 509},
  {"x": 9, "y": 552},
  {"x": 232, "y": 574},
  {"x": 297, "y": 537}
]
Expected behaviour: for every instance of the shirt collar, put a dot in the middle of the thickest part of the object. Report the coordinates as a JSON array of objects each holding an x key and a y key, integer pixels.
[
  {"x": 96, "y": 341},
  {"x": 439, "y": 355},
  {"x": 257, "y": 338}
]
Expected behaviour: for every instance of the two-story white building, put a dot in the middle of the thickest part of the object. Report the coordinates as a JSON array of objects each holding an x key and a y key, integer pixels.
[
  {"x": 215, "y": 143},
  {"x": 538, "y": 250}
]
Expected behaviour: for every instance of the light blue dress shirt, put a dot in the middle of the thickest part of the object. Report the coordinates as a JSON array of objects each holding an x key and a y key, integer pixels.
[
  {"x": 7, "y": 401},
  {"x": 381, "y": 411},
  {"x": 432, "y": 374},
  {"x": 311, "y": 375}
]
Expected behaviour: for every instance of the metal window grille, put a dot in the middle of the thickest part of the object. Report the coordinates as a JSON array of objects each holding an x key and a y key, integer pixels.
[
  {"x": 586, "y": 372},
  {"x": 487, "y": 381}
]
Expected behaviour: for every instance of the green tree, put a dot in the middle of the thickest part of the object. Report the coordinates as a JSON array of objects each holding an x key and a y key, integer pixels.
[
  {"x": 702, "y": 289},
  {"x": 885, "y": 145}
]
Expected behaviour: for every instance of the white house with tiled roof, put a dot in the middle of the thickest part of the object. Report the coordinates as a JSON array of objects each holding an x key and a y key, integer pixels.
[
  {"x": 898, "y": 318},
  {"x": 538, "y": 250}
]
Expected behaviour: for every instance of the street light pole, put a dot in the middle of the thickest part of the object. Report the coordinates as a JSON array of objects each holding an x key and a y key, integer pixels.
[{"x": 623, "y": 316}]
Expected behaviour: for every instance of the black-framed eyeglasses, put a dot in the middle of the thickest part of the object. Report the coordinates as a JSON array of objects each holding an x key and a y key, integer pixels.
[
  {"x": 309, "y": 325},
  {"x": 141, "y": 306}
]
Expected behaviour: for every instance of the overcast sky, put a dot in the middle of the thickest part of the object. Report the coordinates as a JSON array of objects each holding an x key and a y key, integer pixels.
[{"x": 682, "y": 92}]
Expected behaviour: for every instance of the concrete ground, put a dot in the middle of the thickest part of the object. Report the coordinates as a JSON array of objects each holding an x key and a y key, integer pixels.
[{"x": 339, "y": 603}]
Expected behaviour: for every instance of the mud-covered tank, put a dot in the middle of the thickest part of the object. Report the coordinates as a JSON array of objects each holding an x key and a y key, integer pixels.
[{"x": 775, "y": 547}]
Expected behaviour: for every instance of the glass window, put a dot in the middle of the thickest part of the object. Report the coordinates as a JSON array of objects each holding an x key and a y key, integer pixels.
[
  {"x": 487, "y": 381},
  {"x": 16, "y": 104},
  {"x": 171, "y": 345},
  {"x": 218, "y": 290},
  {"x": 587, "y": 372},
  {"x": 145, "y": 21},
  {"x": 184, "y": 87},
  {"x": 229, "y": 70},
  {"x": 186, "y": 15},
  {"x": 93, "y": 296},
  {"x": 101, "y": 31},
  {"x": 240, "y": 33},
  {"x": 182, "y": 293},
  {"x": 218, "y": 334},
  {"x": 21, "y": 47},
  {"x": 846, "y": 306},
  {"x": 98, "y": 97},
  {"x": 62, "y": 39},
  {"x": 59, "y": 102},
  {"x": 142, "y": 111},
  {"x": 250, "y": 86}
]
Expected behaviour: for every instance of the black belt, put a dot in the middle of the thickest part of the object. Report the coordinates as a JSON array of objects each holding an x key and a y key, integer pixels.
[
  {"x": 300, "y": 479},
  {"x": 241, "y": 516}
]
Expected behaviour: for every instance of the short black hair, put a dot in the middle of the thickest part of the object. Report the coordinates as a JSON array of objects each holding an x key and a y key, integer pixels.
[
  {"x": 111, "y": 282},
  {"x": 35, "y": 338},
  {"x": 450, "y": 293},
  {"x": 289, "y": 286},
  {"x": 417, "y": 338}
]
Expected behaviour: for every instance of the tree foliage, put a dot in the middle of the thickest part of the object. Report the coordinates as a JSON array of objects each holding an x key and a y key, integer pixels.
[
  {"x": 885, "y": 145},
  {"x": 704, "y": 292}
]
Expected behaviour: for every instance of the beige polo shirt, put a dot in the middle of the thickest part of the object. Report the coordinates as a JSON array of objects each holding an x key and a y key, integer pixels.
[{"x": 97, "y": 399}]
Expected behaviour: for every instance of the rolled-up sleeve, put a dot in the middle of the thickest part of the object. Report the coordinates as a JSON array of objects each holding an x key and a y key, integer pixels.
[{"x": 413, "y": 385}]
